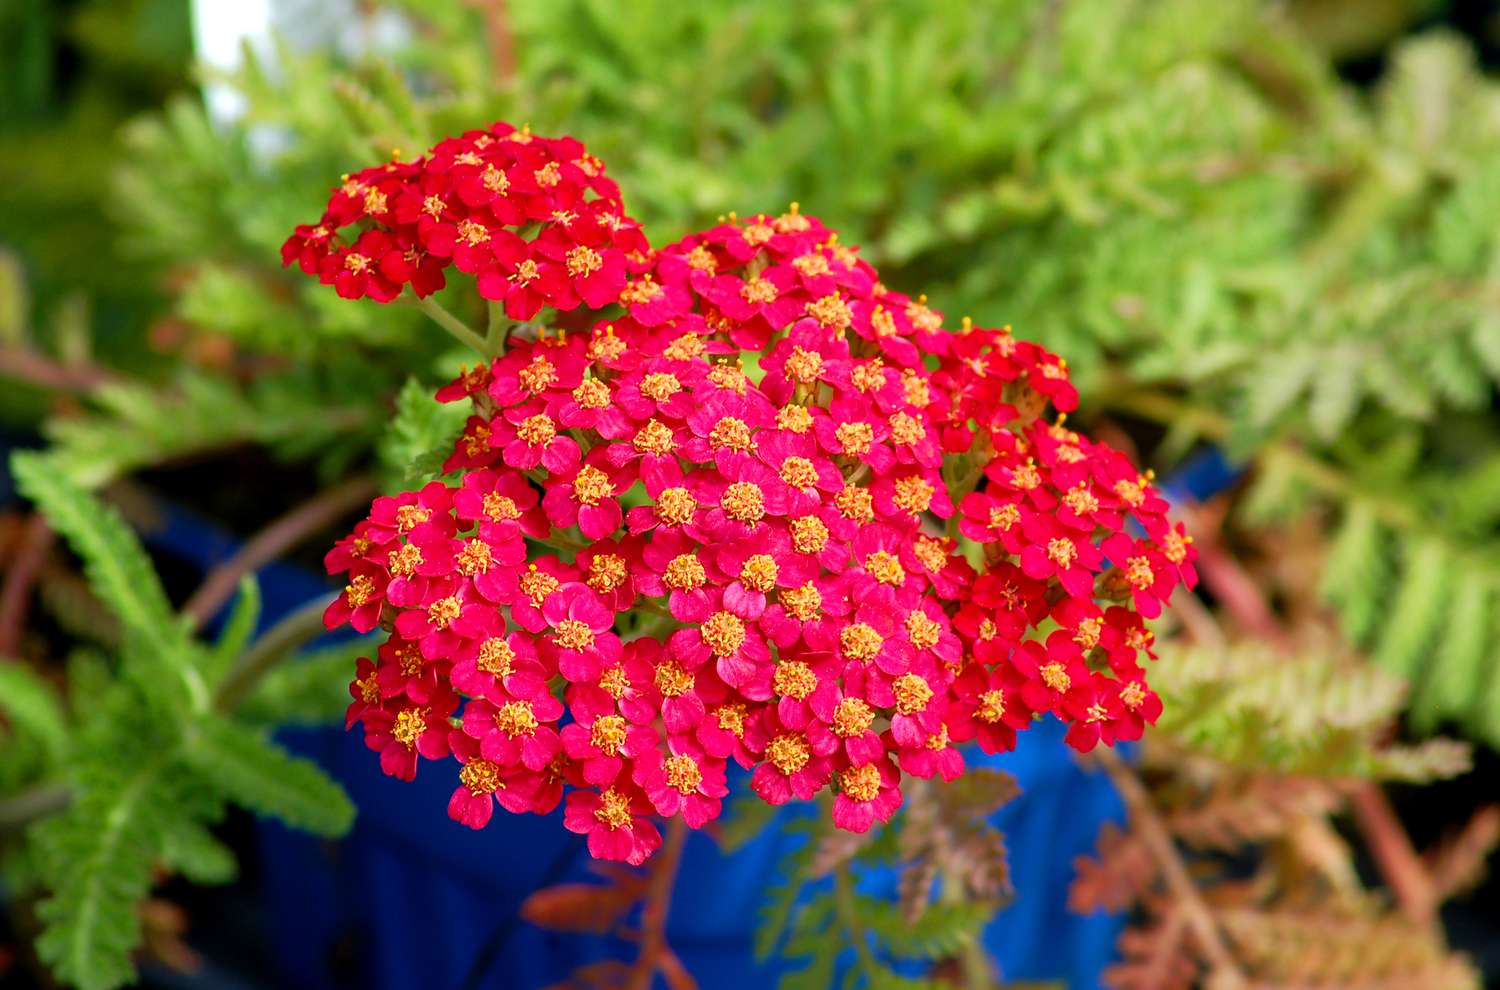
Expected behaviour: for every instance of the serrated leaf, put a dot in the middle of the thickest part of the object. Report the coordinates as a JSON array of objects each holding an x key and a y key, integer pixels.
[
  {"x": 1418, "y": 609},
  {"x": 32, "y": 705},
  {"x": 421, "y": 434},
  {"x": 100, "y": 854},
  {"x": 118, "y": 568},
  {"x": 252, "y": 771},
  {"x": 192, "y": 850}
]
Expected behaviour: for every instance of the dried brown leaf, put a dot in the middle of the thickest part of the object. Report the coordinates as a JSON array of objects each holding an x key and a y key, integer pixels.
[{"x": 1116, "y": 877}]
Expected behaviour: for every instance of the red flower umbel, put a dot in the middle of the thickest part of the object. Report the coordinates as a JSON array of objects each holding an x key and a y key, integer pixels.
[{"x": 645, "y": 562}]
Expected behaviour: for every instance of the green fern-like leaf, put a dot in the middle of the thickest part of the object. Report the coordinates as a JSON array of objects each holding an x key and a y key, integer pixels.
[
  {"x": 254, "y": 772},
  {"x": 99, "y": 856},
  {"x": 117, "y": 566},
  {"x": 421, "y": 435},
  {"x": 32, "y": 706}
]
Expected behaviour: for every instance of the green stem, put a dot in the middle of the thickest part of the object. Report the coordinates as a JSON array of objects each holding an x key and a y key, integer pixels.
[
  {"x": 498, "y": 331},
  {"x": 278, "y": 642},
  {"x": 848, "y": 914},
  {"x": 458, "y": 328}
]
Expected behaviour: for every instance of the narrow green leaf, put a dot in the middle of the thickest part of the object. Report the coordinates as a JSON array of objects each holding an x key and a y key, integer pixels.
[
  {"x": 253, "y": 771},
  {"x": 32, "y": 705}
]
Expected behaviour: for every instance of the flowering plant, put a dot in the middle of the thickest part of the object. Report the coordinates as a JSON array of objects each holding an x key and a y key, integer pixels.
[{"x": 733, "y": 499}]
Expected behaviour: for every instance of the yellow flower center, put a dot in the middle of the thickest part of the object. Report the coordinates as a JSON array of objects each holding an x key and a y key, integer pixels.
[
  {"x": 1088, "y": 632},
  {"x": 405, "y": 560},
  {"x": 538, "y": 375},
  {"x": 583, "y": 261},
  {"x": 591, "y": 485},
  {"x": 794, "y": 679},
  {"x": 613, "y": 810},
  {"x": 642, "y": 290},
  {"x": 991, "y": 707},
  {"x": 444, "y": 611},
  {"x": 608, "y": 734},
  {"x": 614, "y": 681},
  {"x": 885, "y": 568},
  {"x": 743, "y": 502},
  {"x": 538, "y": 430},
  {"x": 869, "y": 375},
  {"x": 759, "y": 572},
  {"x": 930, "y": 553},
  {"x": 860, "y": 642},
  {"x": 809, "y": 534},
  {"x": 659, "y": 386},
  {"x": 675, "y": 506},
  {"x": 1061, "y": 551},
  {"x": 731, "y": 719},
  {"x": 1132, "y": 695},
  {"x": 500, "y": 508},
  {"x": 359, "y": 590},
  {"x": 799, "y": 472},
  {"x": 1081, "y": 500},
  {"x": 757, "y": 234},
  {"x": 1055, "y": 676},
  {"x": 811, "y": 265},
  {"x": 591, "y": 393},
  {"x": 474, "y": 558},
  {"x": 672, "y": 680},
  {"x": 852, "y": 717},
  {"x": 409, "y": 517},
  {"x": 794, "y": 419},
  {"x": 574, "y": 635},
  {"x": 409, "y": 725},
  {"x": 683, "y": 774},
  {"x": 923, "y": 631},
  {"x": 831, "y": 311},
  {"x": 861, "y": 783},
  {"x": 855, "y": 504},
  {"x": 480, "y": 777},
  {"x": 495, "y": 656},
  {"x": 473, "y": 234},
  {"x": 701, "y": 259},
  {"x": 855, "y": 438},
  {"x": 607, "y": 571},
  {"x": 732, "y": 433},
  {"x": 804, "y": 366},
  {"x": 688, "y": 347},
  {"x": 804, "y": 604},
  {"x": 758, "y": 291},
  {"x": 684, "y": 573},
  {"x": 1003, "y": 517},
  {"x": 653, "y": 438},
  {"x": 536, "y": 585},
  {"x": 906, "y": 429},
  {"x": 912, "y": 693},
  {"x": 788, "y": 753},
  {"x": 724, "y": 633},
  {"x": 913, "y": 495},
  {"x": 515, "y": 718}
]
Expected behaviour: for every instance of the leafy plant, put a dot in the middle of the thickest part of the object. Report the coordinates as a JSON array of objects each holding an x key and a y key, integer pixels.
[{"x": 138, "y": 759}]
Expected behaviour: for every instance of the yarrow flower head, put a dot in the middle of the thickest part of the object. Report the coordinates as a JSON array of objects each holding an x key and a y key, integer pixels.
[{"x": 829, "y": 560}]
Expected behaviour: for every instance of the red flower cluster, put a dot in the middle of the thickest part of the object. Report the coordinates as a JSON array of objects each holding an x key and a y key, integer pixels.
[
  {"x": 764, "y": 510},
  {"x": 467, "y": 204}
]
